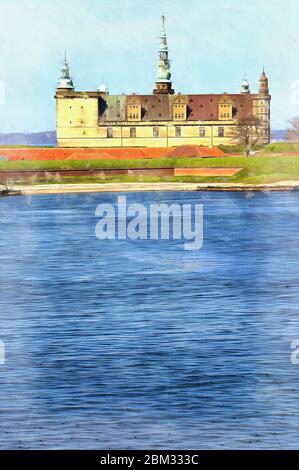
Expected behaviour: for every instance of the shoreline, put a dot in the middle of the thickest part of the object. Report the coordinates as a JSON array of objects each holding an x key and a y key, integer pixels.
[{"x": 64, "y": 188}]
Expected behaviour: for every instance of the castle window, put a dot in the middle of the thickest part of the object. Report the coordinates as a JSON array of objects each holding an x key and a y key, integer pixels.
[
  {"x": 178, "y": 131},
  {"x": 132, "y": 132},
  {"x": 155, "y": 131},
  {"x": 202, "y": 131},
  {"x": 220, "y": 131},
  {"x": 109, "y": 132}
]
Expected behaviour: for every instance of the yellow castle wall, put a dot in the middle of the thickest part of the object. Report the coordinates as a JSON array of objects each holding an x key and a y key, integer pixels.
[{"x": 77, "y": 126}]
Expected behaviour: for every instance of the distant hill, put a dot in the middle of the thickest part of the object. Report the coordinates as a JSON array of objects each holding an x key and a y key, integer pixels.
[
  {"x": 34, "y": 139},
  {"x": 279, "y": 135}
]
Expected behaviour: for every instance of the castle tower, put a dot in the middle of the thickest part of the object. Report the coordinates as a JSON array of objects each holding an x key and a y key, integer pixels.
[
  {"x": 163, "y": 83},
  {"x": 65, "y": 82},
  {"x": 263, "y": 108},
  {"x": 263, "y": 84},
  {"x": 245, "y": 86}
]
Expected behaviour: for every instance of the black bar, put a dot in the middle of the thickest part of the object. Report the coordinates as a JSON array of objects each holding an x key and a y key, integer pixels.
[{"x": 144, "y": 458}]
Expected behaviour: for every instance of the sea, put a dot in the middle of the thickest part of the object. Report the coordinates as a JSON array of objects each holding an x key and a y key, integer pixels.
[{"x": 142, "y": 344}]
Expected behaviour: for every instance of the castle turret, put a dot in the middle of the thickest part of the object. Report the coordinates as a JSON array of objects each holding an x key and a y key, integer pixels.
[
  {"x": 102, "y": 88},
  {"x": 65, "y": 82},
  {"x": 263, "y": 108},
  {"x": 163, "y": 83},
  {"x": 245, "y": 86},
  {"x": 263, "y": 84}
]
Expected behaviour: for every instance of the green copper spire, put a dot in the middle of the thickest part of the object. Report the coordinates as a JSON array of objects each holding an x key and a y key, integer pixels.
[
  {"x": 65, "y": 82},
  {"x": 163, "y": 81},
  {"x": 163, "y": 64}
]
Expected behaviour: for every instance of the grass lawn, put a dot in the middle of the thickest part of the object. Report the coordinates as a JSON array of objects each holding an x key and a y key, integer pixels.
[
  {"x": 258, "y": 169},
  {"x": 270, "y": 164}
]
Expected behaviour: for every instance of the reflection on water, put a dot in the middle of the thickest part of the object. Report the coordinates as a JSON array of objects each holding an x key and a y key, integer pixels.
[{"x": 119, "y": 344}]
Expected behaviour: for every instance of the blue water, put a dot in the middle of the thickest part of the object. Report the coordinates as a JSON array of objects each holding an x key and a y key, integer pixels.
[{"x": 140, "y": 344}]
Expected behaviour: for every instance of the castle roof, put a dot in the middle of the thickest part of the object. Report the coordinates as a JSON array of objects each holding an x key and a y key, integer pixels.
[{"x": 203, "y": 107}]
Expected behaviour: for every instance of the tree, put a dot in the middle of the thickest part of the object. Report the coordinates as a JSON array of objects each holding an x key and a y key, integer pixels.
[
  {"x": 247, "y": 133},
  {"x": 293, "y": 132}
]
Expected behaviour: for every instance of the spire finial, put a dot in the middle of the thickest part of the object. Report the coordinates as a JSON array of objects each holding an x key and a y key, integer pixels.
[
  {"x": 163, "y": 18},
  {"x": 65, "y": 60}
]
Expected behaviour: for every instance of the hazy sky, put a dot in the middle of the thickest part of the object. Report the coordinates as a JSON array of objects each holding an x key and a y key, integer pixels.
[{"x": 213, "y": 44}]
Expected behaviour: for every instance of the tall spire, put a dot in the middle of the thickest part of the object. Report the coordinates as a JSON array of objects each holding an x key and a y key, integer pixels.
[
  {"x": 65, "y": 82},
  {"x": 163, "y": 80}
]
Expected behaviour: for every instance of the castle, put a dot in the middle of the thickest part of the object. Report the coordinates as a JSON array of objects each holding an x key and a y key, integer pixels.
[{"x": 160, "y": 119}]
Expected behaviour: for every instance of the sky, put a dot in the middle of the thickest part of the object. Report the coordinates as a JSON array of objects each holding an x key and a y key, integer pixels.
[{"x": 213, "y": 45}]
